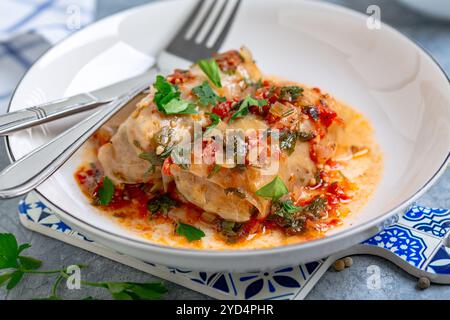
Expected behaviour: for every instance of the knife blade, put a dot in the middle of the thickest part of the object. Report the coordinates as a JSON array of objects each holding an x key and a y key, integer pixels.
[{"x": 29, "y": 117}]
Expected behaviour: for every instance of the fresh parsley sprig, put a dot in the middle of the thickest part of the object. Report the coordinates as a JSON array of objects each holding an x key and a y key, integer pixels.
[
  {"x": 191, "y": 233},
  {"x": 106, "y": 192},
  {"x": 215, "y": 121},
  {"x": 14, "y": 265},
  {"x": 273, "y": 190},
  {"x": 167, "y": 98},
  {"x": 162, "y": 204},
  {"x": 206, "y": 95},
  {"x": 212, "y": 71},
  {"x": 244, "y": 105}
]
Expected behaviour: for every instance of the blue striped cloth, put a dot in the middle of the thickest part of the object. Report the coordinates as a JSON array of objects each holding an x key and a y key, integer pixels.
[{"x": 28, "y": 28}]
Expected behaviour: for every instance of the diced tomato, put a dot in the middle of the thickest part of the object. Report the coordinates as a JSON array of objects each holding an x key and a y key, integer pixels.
[
  {"x": 326, "y": 115},
  {"x": 166, "y": 166},
  {"x": 251, "y": 226},
  {"x": 223, "y": 109},
  {"x": 180, "y": 76},
  {"x": 228, "y": 61},
  {"x": 337, "y": 191}
]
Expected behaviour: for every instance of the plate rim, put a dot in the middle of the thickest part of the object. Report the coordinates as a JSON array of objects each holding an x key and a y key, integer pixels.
[{"x": 307, "y": 245}]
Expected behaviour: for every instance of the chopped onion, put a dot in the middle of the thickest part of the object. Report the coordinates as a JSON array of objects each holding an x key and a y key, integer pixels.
[{"x": 280, "y": 110}]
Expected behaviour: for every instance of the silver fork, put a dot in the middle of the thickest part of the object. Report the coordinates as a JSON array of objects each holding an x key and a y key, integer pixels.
[
  {"x": 30, "y": 171},
  {"x": 200, "y": 36}
]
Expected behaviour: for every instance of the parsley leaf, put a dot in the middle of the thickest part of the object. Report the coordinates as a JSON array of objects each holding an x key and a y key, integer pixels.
[
  {"x": 312, "y": 112},
  {"x": 17, "y": 266},
  {"x": 151, "y": 157},
  {"x": 167, "y": 98},
  {"x": 244, "y": 105},
  {"x": 10, "y": 258},
  {"x": 317, "y": 206},
  {"x": 9, "y": 251},
  {"x": 178, "y": 106},
  {"x": 274, "y": 190},
  {"x": 288, "y": 216},
  {"x": 289, "y": 207},
  {"x": 189, "y": 232},
  {"x": 106, "y": 192},
  {"x": 291, "y": 92},
  {"x": 135, "y": 291},
  {"x": 215, "y": 121},
  {"x": 206, "y": 96},
  {"x": 165, "y": 92},
  {"x": 161, "y": 204},
  {"x": 214, "y": 170},
  {"x": 211, "y": 69},
  {"x": 288, "y": 141}
]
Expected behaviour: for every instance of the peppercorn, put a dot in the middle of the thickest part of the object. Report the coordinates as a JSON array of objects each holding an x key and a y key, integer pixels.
[
  {"x": 423, "y": 283},
  {"x": 339, "y": 265},
  {"x": 348, "y": 261}
]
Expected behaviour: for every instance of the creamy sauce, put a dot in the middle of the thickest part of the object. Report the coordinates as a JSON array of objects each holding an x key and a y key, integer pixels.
[{"x": 358, "y": 157}]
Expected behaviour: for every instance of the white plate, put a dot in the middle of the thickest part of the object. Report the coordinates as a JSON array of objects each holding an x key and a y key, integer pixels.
[{"x": 380, "y": 72}]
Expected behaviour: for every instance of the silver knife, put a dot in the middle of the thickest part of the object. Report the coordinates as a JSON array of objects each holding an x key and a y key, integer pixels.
[{"x": 29, "y": 117}]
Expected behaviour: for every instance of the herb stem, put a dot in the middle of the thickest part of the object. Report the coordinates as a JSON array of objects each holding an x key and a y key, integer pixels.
[
  {"x": 86, "y": 283},
  {"x": 41, "y": 271},
  {"x": 56, "y": 285}
]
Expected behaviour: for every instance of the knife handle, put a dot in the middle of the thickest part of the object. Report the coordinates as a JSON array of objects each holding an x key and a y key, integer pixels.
[{"x": 29, "y": 117}]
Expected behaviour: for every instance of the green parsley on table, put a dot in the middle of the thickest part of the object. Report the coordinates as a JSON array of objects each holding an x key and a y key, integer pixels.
[
  {"x": 13, "y": 266},
  {"x": 212, "y": 71},
  {"x": 191, "y": 233}
]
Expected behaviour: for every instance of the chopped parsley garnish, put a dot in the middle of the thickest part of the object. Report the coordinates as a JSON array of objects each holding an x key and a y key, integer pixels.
[
  {"x": 206, "y": 95},
  {"x": 191, "y": 233},
  {"x": 236, "y": 191},
  {"x": 288, "y": 216},
  {"x": 231, "y": 230},
  {"x": 215, "y": 121},
  {"x": 291, "y": 93},
  {"x": 273, "y": 190},
  {"x": 167, "y": 98},
  {"x": 214, "y": 170},
  {"x": 106, "y": 192},
  {"x": 288, "y": 140},
  {"x": 161, "y": 204},
  {"x": 153, "y": 158},
  {"x": 212, "y": 71},
  {"x": 244, "y": 105},
  {"x": 312, "y": 112},
  {"x": 317, "y": 206}
]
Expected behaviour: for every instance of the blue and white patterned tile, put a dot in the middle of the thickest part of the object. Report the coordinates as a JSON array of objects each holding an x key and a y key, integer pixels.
[
  {"x": 440, "y": 263},
  {"x": 433, "y": 221},
  {"x": 408, "y": 244},
  {"x": 414, "y": 239},
  {"x": 280, "y": 284},
  {"x": 36, "y": 211},
  {"x": 200, "y": 277}
]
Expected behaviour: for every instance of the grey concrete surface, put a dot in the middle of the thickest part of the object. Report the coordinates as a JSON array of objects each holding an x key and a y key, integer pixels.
[{"x": 349, "y": 284}]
